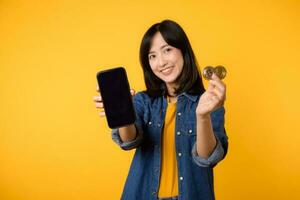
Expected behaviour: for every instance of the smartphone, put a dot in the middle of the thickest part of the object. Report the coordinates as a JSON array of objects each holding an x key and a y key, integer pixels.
[{"x": 117, "y": 100}]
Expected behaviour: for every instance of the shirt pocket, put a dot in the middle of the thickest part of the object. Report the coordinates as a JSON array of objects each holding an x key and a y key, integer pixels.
[
  {"x": 189, "y": 129},
  {"x": 149, "y": 122},
  {"x": 152, "y": 130}
]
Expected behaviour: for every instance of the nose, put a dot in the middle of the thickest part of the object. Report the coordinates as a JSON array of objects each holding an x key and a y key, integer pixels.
[{"x": 162, "y": 62}]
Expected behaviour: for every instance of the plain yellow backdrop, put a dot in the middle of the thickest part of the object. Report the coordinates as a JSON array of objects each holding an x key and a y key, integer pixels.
[{"x": 54, "y": 145}]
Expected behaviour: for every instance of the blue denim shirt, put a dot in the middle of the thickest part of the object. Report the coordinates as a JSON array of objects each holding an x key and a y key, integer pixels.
[{"x": 195, "y": 174}]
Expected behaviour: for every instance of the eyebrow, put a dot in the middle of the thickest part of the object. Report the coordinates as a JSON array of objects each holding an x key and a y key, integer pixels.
[{"x": 160, "y": 48}]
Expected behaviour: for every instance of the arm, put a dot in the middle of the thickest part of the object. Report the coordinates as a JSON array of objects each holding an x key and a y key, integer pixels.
[
  {"x": 130, "y": 137},
  {"x": 127, "y": 133},
  {"x": 206, "y": 140},
  {"x": 216, "y": 152},
  {"x": 208, "y": 150}
]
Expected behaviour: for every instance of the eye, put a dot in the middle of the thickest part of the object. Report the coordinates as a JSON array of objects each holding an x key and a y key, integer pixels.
[
  {"x": 151, "y": 56},
  {"x": 168, "y": 50}
]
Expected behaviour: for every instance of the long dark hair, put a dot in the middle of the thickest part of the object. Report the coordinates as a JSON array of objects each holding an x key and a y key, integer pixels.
[{"x": 190, "y": 79}]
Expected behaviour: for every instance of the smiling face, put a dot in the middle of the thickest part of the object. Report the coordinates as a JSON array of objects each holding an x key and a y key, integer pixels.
[{"x": 165, "y": 61}]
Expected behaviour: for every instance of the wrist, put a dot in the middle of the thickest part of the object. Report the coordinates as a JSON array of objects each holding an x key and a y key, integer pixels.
[{"x": 203, "y": 117}]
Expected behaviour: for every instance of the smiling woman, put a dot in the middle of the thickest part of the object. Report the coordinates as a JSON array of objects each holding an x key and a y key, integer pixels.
[
  {"x": 166, "y": 62},
  {"x": 54, "y": 145},
  {"x": 165, "y": 48},
  {"x": 172, "y": 160}
]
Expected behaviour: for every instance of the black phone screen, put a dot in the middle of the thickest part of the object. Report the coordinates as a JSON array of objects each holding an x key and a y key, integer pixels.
[{"x": 117, "y": 100}]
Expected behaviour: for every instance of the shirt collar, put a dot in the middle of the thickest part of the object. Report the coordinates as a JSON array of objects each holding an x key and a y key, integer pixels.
[{"x": 190, "y": 96}]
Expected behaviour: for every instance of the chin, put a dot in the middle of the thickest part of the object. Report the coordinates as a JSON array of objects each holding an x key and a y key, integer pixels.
[{"x": 169, "y": 81}]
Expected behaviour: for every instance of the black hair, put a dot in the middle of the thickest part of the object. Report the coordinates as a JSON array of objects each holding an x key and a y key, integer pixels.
[{"x": 189, "y": 80}]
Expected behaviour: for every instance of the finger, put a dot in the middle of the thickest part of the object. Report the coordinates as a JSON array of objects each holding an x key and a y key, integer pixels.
[
  {"x": 99, "y": 105},
  {"x": 102, "y": 114},
  {"x": 97, "y": 88},
  {"x": 217, "y": 100},
  {"x": 216, "y": 81},
  {"x": 220, "y": 93},
  {"x": 132, "y": 91},
  {"x": 98, "y": 98},
  {"x": 213, "y": 102},
  {"x": 210, "y": 87},
  {"x": 215, "y": 77},
  {"x": 218, "y": 84},
  {"x": 216, "y": 97}
]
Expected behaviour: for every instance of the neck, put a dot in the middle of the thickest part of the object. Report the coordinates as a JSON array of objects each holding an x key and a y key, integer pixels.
[
  {"x": 172, "y": 95},
  {"x": 172, "y": 99},
  {"x": 171, "y": 90}
]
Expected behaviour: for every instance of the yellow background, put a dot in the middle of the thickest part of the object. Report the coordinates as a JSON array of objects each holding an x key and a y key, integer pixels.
[{"x": 54, "y": 145}]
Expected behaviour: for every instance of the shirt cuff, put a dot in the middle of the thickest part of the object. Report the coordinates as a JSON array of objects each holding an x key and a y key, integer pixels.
[
  {"x": 131, "y": 144},
  {"x": 216, "y": 156}
]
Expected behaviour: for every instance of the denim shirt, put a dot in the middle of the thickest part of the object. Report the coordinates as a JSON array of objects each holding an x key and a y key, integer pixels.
[{"x": 195, "y": 174}]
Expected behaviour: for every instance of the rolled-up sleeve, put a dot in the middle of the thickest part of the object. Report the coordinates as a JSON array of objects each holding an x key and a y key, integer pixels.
[
  {"x": 128, "y": 145},
  {"x": 139, "y": 111},
  {"x": 216, "y": 156},
  {"x": 221, "y": 147}
]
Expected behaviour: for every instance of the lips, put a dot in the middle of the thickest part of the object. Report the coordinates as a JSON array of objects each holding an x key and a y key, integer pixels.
[{"x": 167, "y": 70}]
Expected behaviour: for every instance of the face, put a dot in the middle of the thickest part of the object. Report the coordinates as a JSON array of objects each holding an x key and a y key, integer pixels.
[{"x": 166, "y": 61}]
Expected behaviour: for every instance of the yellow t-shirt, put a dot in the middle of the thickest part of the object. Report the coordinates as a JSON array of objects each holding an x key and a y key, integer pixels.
[{"x": 168, "y": 186}]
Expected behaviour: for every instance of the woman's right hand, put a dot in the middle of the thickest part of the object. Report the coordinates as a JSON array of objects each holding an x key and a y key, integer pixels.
[{"x": 99, "y": 103}]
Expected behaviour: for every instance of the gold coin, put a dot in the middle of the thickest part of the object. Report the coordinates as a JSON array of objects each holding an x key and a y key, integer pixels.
[
  {"x": 220, "y": 71},
  {"x": 208, "y": 72}
]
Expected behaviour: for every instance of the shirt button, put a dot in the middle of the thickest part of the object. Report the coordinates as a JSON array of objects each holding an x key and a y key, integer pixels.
[
  {"x": 179, "y": 154},
  {"x": 158, "y": 125},
  {"x": 181, "y": 178},
  {"x": 153, "y": 192},
  {"x": 150, "y": 123},
  {"x": 179, "y": 114},
  {"x": 190, "y": 131},
  {"x": 178, "y": 133}
]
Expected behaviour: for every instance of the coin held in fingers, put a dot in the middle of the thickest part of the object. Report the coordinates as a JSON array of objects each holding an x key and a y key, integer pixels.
[
  {"x": 219, "y": 70},
  {"x": 208, "y": 72}
]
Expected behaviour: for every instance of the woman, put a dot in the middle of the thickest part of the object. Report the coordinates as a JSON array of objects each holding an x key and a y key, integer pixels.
[{"x": 179, "y": 134}]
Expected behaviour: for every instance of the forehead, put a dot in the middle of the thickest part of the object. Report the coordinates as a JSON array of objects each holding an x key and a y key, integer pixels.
[{"x": 157, "y": 42}]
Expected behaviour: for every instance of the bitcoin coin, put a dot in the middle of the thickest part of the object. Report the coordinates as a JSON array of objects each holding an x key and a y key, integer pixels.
[
  {"x": 208, "y": 72},
  {"x": 220, "y": 71}
]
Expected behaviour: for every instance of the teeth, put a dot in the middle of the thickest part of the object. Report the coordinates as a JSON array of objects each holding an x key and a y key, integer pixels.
[{"x": 166, "y": 70}]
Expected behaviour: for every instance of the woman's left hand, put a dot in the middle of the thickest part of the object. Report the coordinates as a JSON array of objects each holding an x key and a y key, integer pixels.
[{"x": 213, "y": 98}]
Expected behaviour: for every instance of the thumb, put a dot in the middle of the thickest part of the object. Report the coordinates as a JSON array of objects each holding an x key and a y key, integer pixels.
[
  {"x": 132, "y": 91},
  {"x": 210, "y": 87}
]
